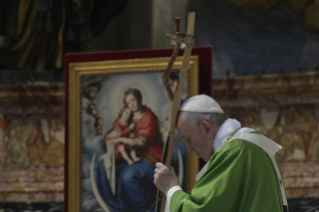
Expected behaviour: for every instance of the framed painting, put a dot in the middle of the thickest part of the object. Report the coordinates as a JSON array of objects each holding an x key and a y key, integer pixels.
[
  {"x": 99, "y": 83},
  {"x": 118, "y": 112}
]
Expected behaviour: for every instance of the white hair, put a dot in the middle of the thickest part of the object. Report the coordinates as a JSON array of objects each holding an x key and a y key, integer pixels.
[{"x": 194, "y": 119}]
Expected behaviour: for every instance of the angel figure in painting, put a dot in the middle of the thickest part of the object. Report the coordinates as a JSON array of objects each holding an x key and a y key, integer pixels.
[
  {"x": 91, "y": 90},
  {"x": 92, "y": 109},
  {"x": 98, "y": 124}
]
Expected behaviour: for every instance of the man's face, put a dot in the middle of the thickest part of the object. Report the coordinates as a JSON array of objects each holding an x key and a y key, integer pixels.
[
  {"x": 131, "y": 102},
  {"x": 195, "y": 139}
]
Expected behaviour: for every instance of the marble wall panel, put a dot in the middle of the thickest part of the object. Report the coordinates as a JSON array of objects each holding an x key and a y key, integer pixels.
[{"x": 32, "y": 143}]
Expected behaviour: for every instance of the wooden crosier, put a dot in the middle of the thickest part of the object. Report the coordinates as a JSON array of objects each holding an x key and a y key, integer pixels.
[{"x": 188, "y": 41}]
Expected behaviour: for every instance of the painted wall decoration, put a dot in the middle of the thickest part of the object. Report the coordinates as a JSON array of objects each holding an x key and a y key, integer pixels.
[
  {"x": 284, "y": 108},
  {"x": 32, "y": 143},
  {"x": 308, "y": 10},
  {"x": 254, "y": 36}
]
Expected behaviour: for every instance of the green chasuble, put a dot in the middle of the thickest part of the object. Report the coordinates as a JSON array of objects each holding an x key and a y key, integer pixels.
[{"x": 240, "y": 177}]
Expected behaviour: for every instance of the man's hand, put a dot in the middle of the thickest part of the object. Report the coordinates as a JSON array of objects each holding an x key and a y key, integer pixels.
[{"x": 164, "y": 177}]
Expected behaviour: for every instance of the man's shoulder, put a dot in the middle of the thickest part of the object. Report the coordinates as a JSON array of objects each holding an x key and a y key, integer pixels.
[
  {"x": 239, "y": 149},
  {"x": 238, "y": 156},
  {"x": 239, "y": 145}
]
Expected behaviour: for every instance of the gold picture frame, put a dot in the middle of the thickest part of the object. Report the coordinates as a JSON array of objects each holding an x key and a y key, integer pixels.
[{"x": 113, "y": 78}]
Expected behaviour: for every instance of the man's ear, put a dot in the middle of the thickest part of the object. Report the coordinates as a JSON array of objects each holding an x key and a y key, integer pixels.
[{"x": 208, "y": 128}]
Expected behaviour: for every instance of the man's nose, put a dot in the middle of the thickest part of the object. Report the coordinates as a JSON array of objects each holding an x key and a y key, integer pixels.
[{"x": 189, "y": 148}]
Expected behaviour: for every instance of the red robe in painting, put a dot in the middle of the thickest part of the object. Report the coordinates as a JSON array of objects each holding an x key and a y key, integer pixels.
[{"x": 147, "y": 127}]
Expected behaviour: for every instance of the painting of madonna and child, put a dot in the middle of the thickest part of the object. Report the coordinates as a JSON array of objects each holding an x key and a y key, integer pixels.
[{"x": 124, "y": 123}]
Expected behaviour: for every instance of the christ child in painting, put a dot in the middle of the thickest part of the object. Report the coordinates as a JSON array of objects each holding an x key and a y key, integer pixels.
[{"x": 125, "y": 125}]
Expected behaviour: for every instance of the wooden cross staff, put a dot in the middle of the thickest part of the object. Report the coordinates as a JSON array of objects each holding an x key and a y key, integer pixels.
[{"x": 178, "y": 39}]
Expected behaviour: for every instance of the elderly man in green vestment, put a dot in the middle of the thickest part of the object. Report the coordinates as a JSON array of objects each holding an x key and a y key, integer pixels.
[{"x": 241, "y": 174}]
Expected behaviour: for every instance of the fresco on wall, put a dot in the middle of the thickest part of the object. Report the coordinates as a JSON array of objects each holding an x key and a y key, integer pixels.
[
  {"x": 307, "y": 10},
  {"x": 31, "y": 144},
  {"x": 255, "y": 36},
  {"x": 37, "y": 34}
]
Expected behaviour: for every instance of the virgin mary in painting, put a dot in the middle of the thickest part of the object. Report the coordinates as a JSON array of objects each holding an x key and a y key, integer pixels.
[{"x": 134, "y": 189}]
